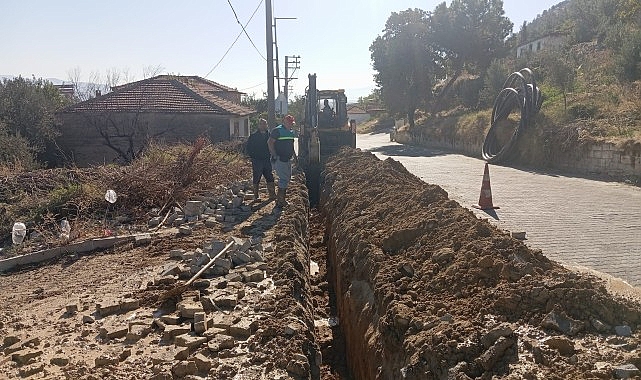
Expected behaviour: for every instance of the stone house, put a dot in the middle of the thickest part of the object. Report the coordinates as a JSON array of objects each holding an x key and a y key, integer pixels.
[
  {"x": 545, "y": 42},
  {"x": 357, "y": 113},
  {"x": 115, "y": 127}
]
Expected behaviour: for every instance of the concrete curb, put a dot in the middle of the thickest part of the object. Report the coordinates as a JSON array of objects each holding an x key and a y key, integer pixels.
[{"x": 81, "y": 247}]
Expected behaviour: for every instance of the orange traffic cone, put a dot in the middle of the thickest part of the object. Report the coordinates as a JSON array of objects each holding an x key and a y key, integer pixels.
[{"x": 485, "y": 199}]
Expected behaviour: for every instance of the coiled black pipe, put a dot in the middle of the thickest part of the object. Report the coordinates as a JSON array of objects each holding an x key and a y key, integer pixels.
[{"x": 519, "y": 92}]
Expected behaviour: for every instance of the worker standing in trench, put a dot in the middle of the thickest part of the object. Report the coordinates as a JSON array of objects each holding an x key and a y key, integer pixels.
[
  {"x": 281, "y": 147},
  {"x": 258, "y": 150}
]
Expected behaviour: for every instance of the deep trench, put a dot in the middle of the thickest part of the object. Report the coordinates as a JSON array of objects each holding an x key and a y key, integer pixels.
[{"x": 328, "y": 330}]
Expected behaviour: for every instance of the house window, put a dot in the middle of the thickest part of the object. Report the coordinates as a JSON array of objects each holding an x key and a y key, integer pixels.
[
  {"x": 538, "y": 46},
  {"x": 246, "y": 127},
  {"x": 530, "y": 47},
  {"x": 236, "y": 128}
]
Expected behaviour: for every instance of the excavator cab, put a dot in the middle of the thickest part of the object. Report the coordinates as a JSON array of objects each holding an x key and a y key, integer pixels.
[{"x": 324, "y": 131}]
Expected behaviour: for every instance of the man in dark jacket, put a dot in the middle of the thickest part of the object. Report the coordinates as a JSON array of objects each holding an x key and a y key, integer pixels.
[{"x": 258, "y": 150}]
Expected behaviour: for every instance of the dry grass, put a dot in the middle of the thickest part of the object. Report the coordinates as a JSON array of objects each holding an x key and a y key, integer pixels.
[{"x": 162, "y": 178}]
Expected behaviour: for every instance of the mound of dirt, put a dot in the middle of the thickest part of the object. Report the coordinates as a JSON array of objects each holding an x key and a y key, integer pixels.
[{"x": 425, "y": 290}]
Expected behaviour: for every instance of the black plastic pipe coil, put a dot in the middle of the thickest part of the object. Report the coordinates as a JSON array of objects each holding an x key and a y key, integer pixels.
[{"x": 519, "y": 92}]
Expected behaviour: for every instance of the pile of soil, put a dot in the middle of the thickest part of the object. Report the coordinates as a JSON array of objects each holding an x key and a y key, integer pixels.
[{"x": 425, "y": 290}]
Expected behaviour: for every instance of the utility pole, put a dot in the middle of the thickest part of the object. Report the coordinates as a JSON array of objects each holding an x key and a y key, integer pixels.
[
  {"x": 271, "y": 106},
  {"x": 295, "y": 64}
]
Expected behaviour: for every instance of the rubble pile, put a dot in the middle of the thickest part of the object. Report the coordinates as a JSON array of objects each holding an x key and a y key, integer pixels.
[{"x": 242, "y": 316}]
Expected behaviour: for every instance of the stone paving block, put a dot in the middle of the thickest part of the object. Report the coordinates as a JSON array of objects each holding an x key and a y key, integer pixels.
[
  {"x": 137, "y": 332},
  {"x": 59, "y": 361},
  {"x": 187, "y": 340},
  {"x": 113, "y": 330},
  {"x": 223, "y": 263},
  {"x": 221, "y": 342},
  {"x": 240, "y": 258},
  {"x": 184, "y": 368},
  {"x": 193, "y": 295},
  {"x": 10, "y": 340},
  {"x": 253, "y": 276},
  {"x": 223, "y": 321},
  {"x": 199, "y": 316},
  {"x": 142, "y": 239},
  {"x": 177, "y": 254},
  {"x": 71, "y": 308},
  {"x": 31, "y": 370},
  {"x": 234, "y": 277},
  {"x": 200, "y": 327},
  {"x": 193, "y": 208},
  {"x": 129, "y": 304},
  {"x": 173, "y": 331},
  {"x": 108, "y": 307},
  {"x": 256, "y": 255},
  {"x": 203, "y": 363},
  {"x": 105, "y": 360},
  {"x": 226, "y": 301},
  {"x": 242, "y": 329},
  {"x": 171, "y": 319},
  {"x": 188, "y": 308},
  {"x": 25, "y": 356}
]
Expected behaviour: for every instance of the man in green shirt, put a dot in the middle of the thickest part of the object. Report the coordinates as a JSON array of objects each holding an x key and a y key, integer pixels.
[{"x": 281, "y": 147}]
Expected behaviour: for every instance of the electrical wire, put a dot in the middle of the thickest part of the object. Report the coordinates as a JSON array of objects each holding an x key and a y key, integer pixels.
[
  {"x": 241, "y": 25},
  {"x": 233, "y": 43},
  {"x": 519, "y": 93},
  {"x": 254, "y": 86}
]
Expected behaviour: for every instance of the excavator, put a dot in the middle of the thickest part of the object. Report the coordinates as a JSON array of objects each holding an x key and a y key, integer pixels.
[{"x": 324, "y": 131}]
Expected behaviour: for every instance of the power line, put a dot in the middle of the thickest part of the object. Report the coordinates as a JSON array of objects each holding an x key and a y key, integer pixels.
[
  {"x": 233, "y": 43},
  {"x": 241, "y": 25},
  {"x": 254, "y": 86}
]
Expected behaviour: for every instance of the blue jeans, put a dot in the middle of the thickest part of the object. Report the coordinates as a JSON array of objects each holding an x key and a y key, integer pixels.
[
  {"x": 262, "y": 168},
  {"x": 284, "y": 172}
]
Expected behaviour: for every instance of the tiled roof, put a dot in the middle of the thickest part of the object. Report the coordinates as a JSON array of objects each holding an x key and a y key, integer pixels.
[{"x": 165, "y": 93}]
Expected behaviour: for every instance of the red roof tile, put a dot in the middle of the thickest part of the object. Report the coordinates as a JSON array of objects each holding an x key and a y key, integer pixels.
[{"x": 165, "y": 93}]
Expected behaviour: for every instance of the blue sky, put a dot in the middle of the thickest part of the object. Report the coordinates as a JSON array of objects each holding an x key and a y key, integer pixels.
[{"x": 49, "y": 39}]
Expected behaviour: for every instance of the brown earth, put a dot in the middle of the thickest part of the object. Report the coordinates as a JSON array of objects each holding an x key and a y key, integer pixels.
[
  {"x": 427, "y": 291},
  {"x": 389, "y": 280}
]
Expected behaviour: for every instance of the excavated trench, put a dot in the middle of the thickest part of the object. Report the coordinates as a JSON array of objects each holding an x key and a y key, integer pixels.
[{"x": 410, "y": 285}]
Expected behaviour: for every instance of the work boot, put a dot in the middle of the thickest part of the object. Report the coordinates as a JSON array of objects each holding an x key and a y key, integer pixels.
[
  {"x": 256, "y": 189},
  {"x": 271, "y": 188},
  {"x": 280, "y": 198}
]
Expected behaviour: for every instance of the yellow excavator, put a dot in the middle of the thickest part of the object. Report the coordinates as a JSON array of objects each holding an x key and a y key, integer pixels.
[{"x": 325, "y": 130}]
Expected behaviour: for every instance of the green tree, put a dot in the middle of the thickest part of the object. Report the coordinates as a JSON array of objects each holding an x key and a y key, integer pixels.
[
  {"x": 468, "y": 35},
  {"x": 406, "y": 66},
  {"x": 15, "y": 151},
  {"x": 560, "y": 71},
  {"x": 27, "y": 109},
  {"x": 257, "y": 104},
  {"x": 628, "y": 58},
  {"x": 296, "y": 107}
]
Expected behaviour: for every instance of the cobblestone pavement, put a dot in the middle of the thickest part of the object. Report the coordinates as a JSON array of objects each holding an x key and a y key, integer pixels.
[{"x": 576, "y": 221}]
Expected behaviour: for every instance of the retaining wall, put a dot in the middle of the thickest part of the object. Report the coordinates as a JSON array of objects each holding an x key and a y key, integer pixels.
[{"x": 597, "y": 158}]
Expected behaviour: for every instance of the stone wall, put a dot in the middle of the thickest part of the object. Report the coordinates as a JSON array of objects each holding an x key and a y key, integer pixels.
[{"x": 600, "y": 158}]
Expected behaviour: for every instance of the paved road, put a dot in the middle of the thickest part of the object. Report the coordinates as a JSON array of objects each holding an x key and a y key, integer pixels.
[{"x": 573, "y": 220}]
